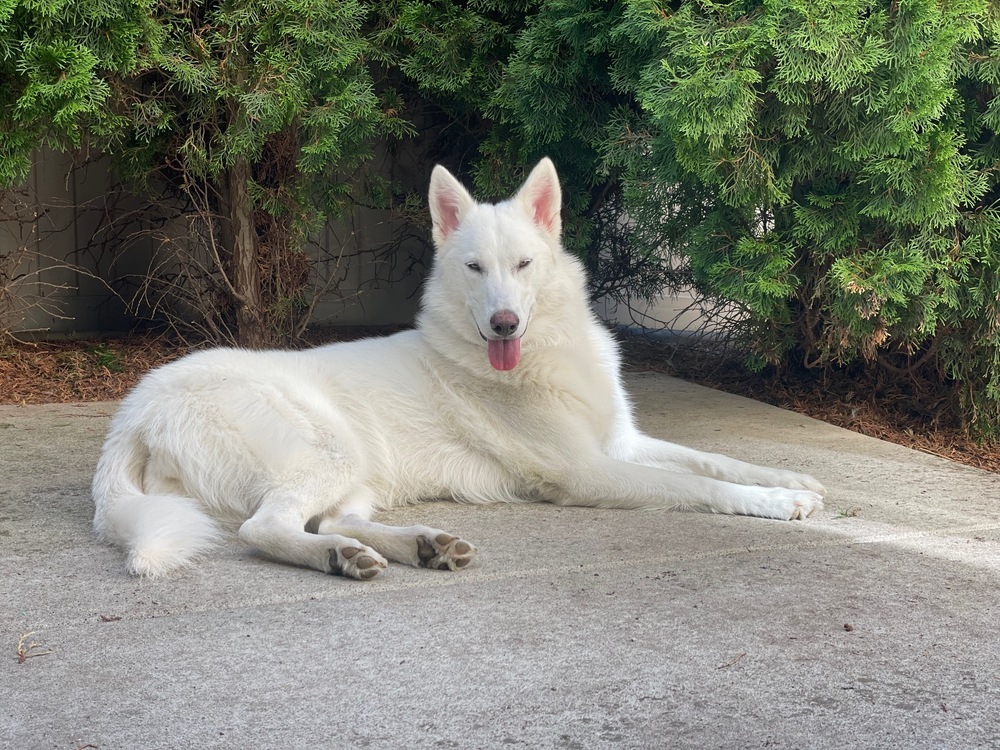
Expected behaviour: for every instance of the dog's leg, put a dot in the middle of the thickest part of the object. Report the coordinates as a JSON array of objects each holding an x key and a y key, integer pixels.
[
  {"x": 642, "y": 449},
  {"x": 278, "y": 529},
  {"x": 605, "y": 482},
  {"x": 419, "y": 546}
]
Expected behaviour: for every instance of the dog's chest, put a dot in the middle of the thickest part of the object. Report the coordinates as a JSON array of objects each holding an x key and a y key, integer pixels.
[{"x": 559, "y": 409}]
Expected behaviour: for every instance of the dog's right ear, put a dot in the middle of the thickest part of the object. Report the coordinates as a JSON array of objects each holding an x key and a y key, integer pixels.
[{"x": 449, "y": 202}]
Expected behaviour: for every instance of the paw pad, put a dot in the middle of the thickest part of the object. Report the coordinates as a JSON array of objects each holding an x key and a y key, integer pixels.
[
  {"x": 443, "y": 552},
  {"x": 356, "y": 562}
]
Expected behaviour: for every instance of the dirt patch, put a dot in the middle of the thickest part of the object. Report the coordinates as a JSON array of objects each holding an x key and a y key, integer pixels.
[{"x": 51, "y": 372}]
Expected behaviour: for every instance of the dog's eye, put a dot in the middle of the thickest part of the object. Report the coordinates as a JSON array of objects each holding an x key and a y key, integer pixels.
[
  {"x": 523, "y": 264},
  {"x": 474, "y": 267}
]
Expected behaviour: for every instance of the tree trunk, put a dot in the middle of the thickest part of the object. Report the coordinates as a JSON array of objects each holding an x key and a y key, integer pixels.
[{"x": 251, "y": 330}]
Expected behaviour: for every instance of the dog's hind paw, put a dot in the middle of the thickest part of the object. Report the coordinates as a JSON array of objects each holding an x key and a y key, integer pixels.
[
  {"x": 442, "y": 551},
  {"x": 356, "y": 561}
]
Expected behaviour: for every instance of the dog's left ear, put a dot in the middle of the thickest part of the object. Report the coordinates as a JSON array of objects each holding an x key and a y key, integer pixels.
[{"x": 541, "y": 197}]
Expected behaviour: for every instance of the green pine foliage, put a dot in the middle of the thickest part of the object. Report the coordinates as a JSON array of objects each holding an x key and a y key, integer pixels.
[
  {"x": 54, "y": 59},
  {"x": 227, "y": 77},
  {"x": 848, "y": 150}
]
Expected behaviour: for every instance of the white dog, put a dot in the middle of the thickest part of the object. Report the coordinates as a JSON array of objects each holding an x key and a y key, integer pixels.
[{"x": 508, "y": 390}]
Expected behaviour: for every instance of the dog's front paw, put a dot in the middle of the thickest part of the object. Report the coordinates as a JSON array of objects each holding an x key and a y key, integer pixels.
[
  {"x": 356, "y": 561},
  {"x": 788, "y": 505},
  {"x": 442, "y": 551},
  {"x": 803, "y": 507}
]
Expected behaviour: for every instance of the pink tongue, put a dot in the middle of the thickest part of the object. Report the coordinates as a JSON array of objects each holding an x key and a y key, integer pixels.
[{"x": 504, "y": 353}]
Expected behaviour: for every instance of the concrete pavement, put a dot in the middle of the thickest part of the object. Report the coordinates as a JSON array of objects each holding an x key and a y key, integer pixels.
[{"x": 873, "y": 624}]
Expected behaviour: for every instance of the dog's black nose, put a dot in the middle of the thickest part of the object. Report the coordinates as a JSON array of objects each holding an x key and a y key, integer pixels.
[{"x": 504, "y": 323}]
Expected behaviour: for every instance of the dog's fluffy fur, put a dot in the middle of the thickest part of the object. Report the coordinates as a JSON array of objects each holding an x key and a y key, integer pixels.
[{"x": 508, "y": 390}]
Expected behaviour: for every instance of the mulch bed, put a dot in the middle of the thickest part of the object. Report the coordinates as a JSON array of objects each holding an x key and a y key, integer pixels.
[
  {"x": 80, "y": 370},
  {"x": 104, "y": 370}
]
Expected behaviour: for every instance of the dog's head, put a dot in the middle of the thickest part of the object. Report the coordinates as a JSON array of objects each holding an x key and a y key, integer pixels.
[{"x": 497, "y": 265}]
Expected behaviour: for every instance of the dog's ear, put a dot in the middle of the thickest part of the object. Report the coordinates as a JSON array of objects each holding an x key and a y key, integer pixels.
[
  {"x": 541, "y": 197},
  {"x": 449, "y": 202}
]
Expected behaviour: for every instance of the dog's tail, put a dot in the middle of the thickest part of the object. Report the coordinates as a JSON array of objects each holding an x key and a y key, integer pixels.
[{"x": 160, "y": 532}]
